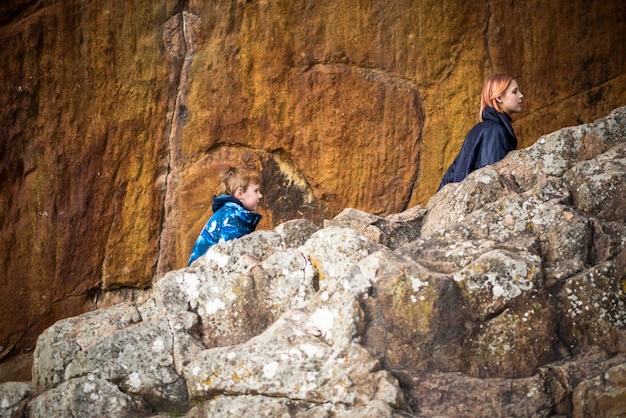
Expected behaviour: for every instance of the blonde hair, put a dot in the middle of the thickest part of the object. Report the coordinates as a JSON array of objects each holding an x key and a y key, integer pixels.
[
  {"x": 235, "y": 177},
  {"x": 495, "y": 85}
]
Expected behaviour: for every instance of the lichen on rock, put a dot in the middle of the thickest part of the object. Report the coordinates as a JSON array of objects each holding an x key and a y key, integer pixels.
[{"x": 509, "y": 303}]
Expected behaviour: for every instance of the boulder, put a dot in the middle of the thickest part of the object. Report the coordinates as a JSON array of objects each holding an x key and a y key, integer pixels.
[
  {"x": 87, "y": 396},
  {"x": 603, "y": 396},
  {"x": 510, "y": 304},
  {"x": 13, "y": 398}
]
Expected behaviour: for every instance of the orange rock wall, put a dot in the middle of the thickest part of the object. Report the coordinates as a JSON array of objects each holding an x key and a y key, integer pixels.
[{"x": 117, "y": 117}]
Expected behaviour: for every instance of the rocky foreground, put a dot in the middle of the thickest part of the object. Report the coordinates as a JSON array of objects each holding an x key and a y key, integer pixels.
[{"x": 505, "y": 297}]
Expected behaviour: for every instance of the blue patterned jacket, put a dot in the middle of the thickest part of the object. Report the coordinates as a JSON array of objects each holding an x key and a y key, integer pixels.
[{"x": 230, "y": 220}]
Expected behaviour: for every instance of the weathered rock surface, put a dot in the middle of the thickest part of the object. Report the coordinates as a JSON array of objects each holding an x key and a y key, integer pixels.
[
  {"x": 602, "y": 396},
  {"x": 117, "y": 117},
  {"x": 87, "y": 396},
  {"x": 13, "y": 396},
  {"x": 504, "y": 297}
]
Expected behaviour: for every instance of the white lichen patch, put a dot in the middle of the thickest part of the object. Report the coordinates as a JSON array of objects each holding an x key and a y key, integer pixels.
[
  {"x": 553, "y": 165},
  {"x": 503, "y": 277},
  {"x": 417, "y": 284},
  {"x": 484, "y": 178},
  {"x": 134, "y": 381},
  {"x": 311, "y": 350},
  {"x": 533, "y": 392},
  {"x": 158, "y": 345},
  {"x": 212, "y": 306},
  {"x": 269, "y": 370},
  {"x": 323, "y": 320},
  {"x": 498, "y": 290},
  {"x": 218, "y": 258},
  {"x": 89, "y": 387},
  {"x": 189, "y": 284},
  {"x": 232, "y": 296}
]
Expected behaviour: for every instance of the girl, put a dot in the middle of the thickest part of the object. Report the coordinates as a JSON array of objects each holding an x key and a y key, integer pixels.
[{"x": 490, "y": 140}]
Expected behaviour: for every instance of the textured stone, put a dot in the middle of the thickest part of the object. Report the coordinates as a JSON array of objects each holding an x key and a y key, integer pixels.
[
  {"x": 83, "y": 154},
  {"x": 592, "y": 307},
  {"x": 117, "y": 119},
  {"x": 496, "y": 278},
  {"x": 410, "y": 323},
  {"x": 232, "y": 406},
  {"x": 603, "y": 396},
  {"x": 235, "y": 307},
  {"x": 517, "y": 309},
  {"x": 296, "y": 232},
  {"x": 139, "y": 359},
  {"x": 548, "y": 393},
  {"x": 312, "y": 360},
  {"x": 13, "y": 397},
  {"x": 598, "y": 187},
  {"x": 18, "y": 369},
  {"x": 392, "y": 231},
  {"x": 515, "y": 342},
  {"x": 87, "y": 396},
  {"x": 333, "y": 252},
  {"x": 471, "y": 397},
  {"x": 58, "y": 345}
]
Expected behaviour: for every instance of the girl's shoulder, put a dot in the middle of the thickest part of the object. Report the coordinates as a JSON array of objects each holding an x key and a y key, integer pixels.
[{"x": 492, "y": 126}]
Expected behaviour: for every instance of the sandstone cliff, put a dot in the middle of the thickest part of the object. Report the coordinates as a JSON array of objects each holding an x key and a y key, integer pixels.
[
  {"x": 504, "y": 297},
  {"x": 117, "y": 116}
]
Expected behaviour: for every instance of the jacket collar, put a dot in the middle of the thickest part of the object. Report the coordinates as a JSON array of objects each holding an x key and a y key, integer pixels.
[{"x": 489, "y": 113}]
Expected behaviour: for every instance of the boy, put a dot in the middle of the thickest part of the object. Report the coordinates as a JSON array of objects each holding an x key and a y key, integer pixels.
[{"x": 233, "y": 209}]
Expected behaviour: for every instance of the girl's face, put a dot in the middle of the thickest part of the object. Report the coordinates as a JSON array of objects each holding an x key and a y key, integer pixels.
[
  {"x": 511, "y": 100},
  {"x": 251, "y": 197}
]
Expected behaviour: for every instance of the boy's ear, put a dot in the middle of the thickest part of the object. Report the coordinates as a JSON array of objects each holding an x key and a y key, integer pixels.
[{"x": 238, "y": 193}]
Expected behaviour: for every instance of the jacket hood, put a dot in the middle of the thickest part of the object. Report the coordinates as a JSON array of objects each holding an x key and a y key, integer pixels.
[{"x": 219, "y": 201}]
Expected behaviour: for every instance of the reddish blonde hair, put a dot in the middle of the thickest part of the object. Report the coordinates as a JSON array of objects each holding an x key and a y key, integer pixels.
[
  {"x": 235, "y": 177},
  {"x": 495, "y": 85}
]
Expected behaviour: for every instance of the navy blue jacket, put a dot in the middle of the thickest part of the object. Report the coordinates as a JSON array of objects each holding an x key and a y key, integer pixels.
[
  {"x": 230, "y": 220},
  {"x": 486, "y": 143}
]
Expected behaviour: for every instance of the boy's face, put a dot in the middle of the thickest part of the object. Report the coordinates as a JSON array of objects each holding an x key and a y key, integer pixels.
[{"x": 251, "y": 197}]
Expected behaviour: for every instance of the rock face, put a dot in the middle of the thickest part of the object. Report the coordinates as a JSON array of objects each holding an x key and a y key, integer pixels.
[
  {"x": 117, "y": 118},
  {"x": 504, "y": 297}
]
